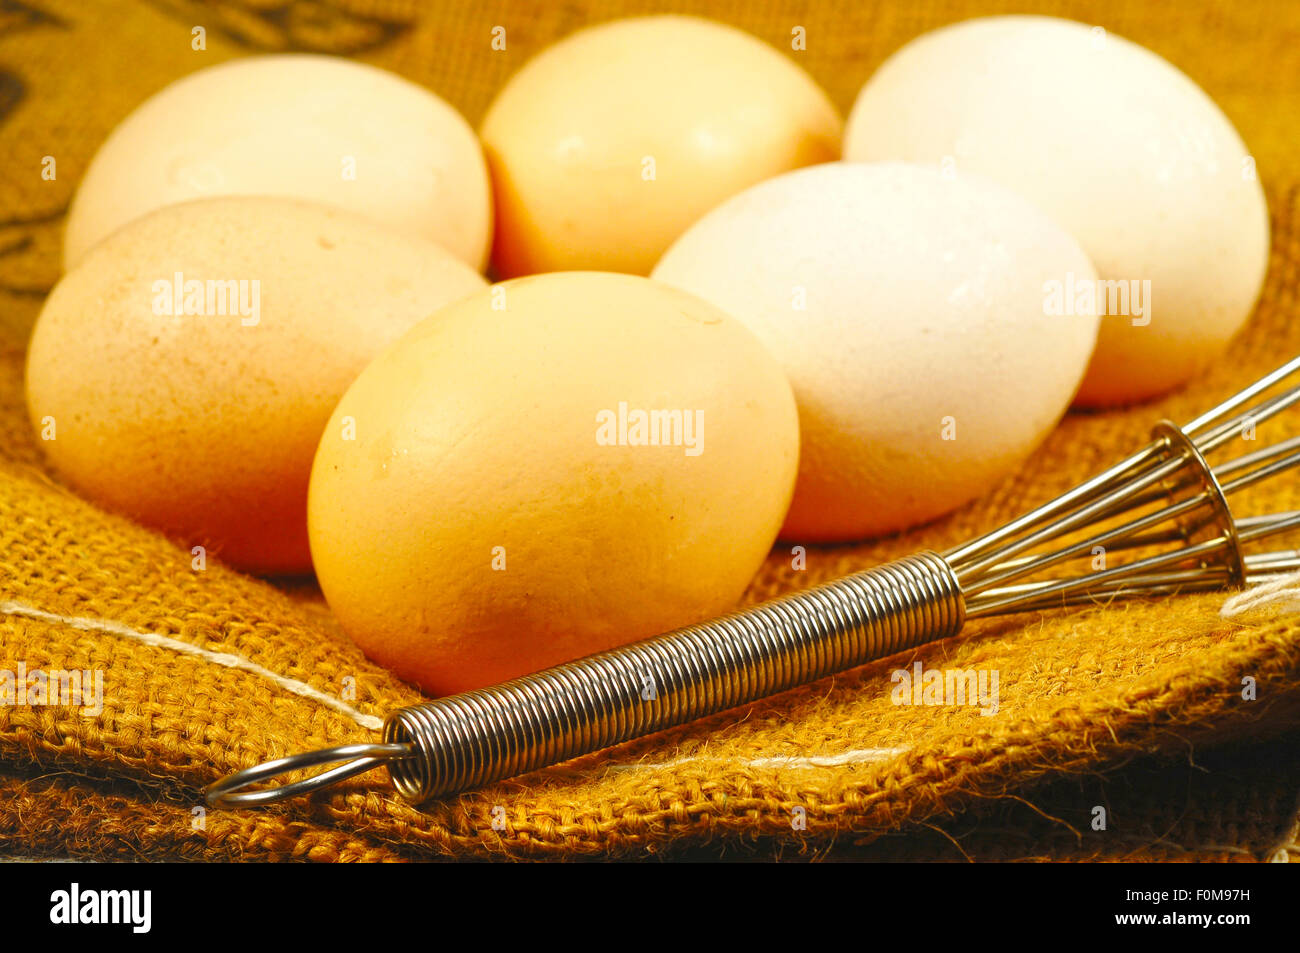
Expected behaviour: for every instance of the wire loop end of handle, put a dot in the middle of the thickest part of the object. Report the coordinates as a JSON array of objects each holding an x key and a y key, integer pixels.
[{"x": 230, "y": 791}]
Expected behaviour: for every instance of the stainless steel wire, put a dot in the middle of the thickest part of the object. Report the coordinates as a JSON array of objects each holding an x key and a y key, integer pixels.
[{"x": 1165, "y": 508}]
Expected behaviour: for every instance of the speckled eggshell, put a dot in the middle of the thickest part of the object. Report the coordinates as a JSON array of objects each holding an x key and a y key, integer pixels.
[
  {"x": 909, "y": 313},
  {"x": 1118, "y": 146},
  {"x": 204, "y": 425},
  {"x": 607, "y": 145},
  {"x": 493, "y": 515},
  {"x": 321, "y": 128}
]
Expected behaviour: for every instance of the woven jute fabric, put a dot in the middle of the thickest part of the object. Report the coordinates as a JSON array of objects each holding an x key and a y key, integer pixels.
[{"x": 1136, "y": 708}]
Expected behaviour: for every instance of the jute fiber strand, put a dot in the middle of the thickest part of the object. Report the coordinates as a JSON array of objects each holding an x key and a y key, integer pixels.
[{"x": 1131, "y": 706}]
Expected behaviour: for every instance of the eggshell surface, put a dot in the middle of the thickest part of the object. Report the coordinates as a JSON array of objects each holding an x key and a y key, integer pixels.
[
  {"x": 320, "y": 128},
  {"x": 607, "y": 145},
  {"x": 908, "y": 312},
  {"x": 501, "y": 510},
  {"x": 1122, "y": 149},
  {"x": 183, "y": 371}
]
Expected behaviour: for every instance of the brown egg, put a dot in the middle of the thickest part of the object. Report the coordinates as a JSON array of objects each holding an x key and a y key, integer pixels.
[
  {"x": 605, "y": 147},
  {"x": 183, "y": 371},
  {"x": 550, "y": 468}
]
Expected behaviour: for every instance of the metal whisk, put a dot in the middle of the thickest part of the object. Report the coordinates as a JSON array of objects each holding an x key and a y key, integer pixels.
[{"x": 1164, "y": 508}]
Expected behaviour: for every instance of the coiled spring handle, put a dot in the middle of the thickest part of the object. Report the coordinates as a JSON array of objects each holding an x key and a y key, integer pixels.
[{"x": 466, "y": 740}]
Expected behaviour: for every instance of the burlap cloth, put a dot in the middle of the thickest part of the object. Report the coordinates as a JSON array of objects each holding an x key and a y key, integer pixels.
[{"x": 1136, "y": 708}]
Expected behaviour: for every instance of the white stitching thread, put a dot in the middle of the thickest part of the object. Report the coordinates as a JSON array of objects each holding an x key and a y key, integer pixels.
[
  {"x": 1283, "y": 592},
  {"x": 224, "y": 659}
]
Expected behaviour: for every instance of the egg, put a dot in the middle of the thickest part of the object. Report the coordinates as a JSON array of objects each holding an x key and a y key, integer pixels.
[
  {"x": 1120, "y": 148},
  {"x": 553, "y": 467},
  {"x": 183, "y": 371},
  {"x": 607, "y": 145},
  {"x": 318, "y": 128},
  {"x": 910, "y": 314}
]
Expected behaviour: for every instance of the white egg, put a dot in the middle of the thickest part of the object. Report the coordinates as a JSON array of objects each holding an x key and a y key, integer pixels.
[
  {"x": 1123, "y": 150},
  {"x": 320, "y": 128},
  {"x": 912, "y": 313}
]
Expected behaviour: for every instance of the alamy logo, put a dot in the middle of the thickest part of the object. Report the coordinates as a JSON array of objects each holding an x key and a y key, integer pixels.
[
  {"x": 1099, "y": 296},
  {"x": 212, "y": 297},
  {"x": 942, "y": 687},
  {"x": 73, "y": 906},
  {"x": 37, "y": 687},
  {"x": 651, "y": 428}
]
